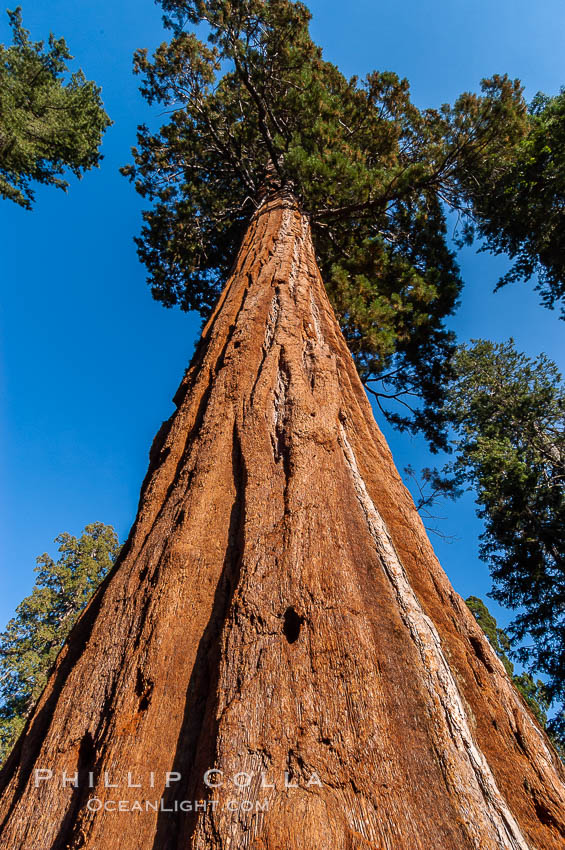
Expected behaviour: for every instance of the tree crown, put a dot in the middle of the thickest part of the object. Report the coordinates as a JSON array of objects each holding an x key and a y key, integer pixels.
[{"x": 255, "y": 109}]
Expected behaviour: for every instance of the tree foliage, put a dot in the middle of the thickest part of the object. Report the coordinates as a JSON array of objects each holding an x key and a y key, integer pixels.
[
  {"x": 32, "y": 640},
  {"x": 257, "y": 109},
  {"x": 49, "y": 121},
  {"x": 519, "y": 204},
  {"x": 509, "y": 414}
]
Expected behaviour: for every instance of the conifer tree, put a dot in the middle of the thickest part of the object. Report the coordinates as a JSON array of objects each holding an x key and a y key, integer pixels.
[
  {"x": 277, "y": 609},
  {"x": 49, "y": 123},
  {"x": 32, "y": 639},
  {"x": 509, "y": 414},
  {"x": 256, "y": 108}
]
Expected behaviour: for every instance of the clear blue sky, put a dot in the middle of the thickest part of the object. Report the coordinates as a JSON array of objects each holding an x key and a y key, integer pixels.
[{"x": 89, "y": 362}]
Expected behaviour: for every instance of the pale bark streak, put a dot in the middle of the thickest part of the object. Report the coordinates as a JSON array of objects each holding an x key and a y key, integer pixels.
[{"x": 477, "y": 792}]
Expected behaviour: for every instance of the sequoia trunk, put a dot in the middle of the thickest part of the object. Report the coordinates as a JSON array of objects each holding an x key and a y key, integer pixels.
[{"x": 278, "y": 615}]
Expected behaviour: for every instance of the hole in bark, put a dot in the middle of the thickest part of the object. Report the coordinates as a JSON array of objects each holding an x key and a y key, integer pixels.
[
  {"x": 292, "y": 623},
  {"x": 139, "y": 683},
  {"x": 544, "y": 814},
  {"x": 480, "y": 652},
  {"x": 236, "y": 344},
  {"x": 520, "y": 741},
  {"x": 87, "y": 751},
  {"x": 143, "y": 689}
]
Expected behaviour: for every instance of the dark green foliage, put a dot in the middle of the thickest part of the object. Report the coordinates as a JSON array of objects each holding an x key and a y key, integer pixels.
[
  {"x": 509, "y": 415},
  {"x": 48, "y": 122},
  {"x": 519, "y": 204},
  {"x": 32, "y": 640},
  {"x": 257, "y": 109}
]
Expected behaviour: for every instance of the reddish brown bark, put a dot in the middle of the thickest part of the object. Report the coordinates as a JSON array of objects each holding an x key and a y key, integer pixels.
[{"x": 278, "y": 608}]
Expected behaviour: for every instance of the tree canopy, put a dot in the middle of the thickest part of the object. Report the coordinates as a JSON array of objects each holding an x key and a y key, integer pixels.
[
  {"x": 33, "y": 638},
  {"x": 256, "y": 109},
  {"x": 50, "y": 122}
]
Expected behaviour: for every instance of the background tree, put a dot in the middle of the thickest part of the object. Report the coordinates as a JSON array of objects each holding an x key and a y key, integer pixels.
[
  {"x": 33, "y": 639},
  {"x": 257, "y": 109},
  {"x": 508, "y": 415},
  {"x": 49, "y": 121}
]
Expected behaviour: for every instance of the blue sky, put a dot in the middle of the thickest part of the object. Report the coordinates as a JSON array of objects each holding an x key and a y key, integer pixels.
[{"x": 89, "y": 363}]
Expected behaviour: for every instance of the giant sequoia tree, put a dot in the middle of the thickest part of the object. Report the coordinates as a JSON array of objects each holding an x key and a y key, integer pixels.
[{"x": 277, "y": 615}]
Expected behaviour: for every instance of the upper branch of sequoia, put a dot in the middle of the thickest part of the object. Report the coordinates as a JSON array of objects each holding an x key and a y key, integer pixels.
[{"x": 373, "y": 172}]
